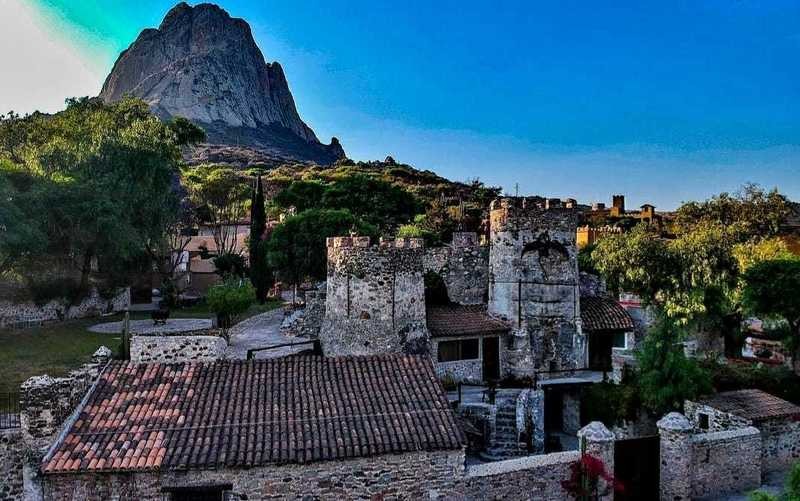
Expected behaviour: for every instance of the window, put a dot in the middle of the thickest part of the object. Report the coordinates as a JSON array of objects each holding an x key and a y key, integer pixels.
[
  {"x": 619, "y": 340},
  {"x": 462, "y": 349},
  {"x": 702, "y": 419}
]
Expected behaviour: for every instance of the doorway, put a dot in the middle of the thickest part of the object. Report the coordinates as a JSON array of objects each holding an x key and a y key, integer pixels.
[{"x": 491, "y": 359}]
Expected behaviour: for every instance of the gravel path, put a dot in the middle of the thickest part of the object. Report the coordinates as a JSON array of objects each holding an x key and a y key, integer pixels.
[{"x": 260, "y": 331}]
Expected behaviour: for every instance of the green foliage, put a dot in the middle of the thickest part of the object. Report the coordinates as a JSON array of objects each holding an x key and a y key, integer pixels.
[
  {"x": 771, "y": 290},
  {"x": 297, "y": 249},
  {"x": 418, "y": 229},
  {"x": 585, "y": 260},
  {"x": 185, "y": 131},
  {"x": 44, "y": 289},
  {"x": 90, "y": 182},
  {"x": 260, "y": 274},
  {"x": 230, "y": 265},
  {"x": 371, "y": 200},
  {"x": 752, "y": 212},
  {"x": 791, "y": 491},
  {"x": 230, "y": 298},
  {"x": 775, "y": 380},
  {"x": 610, "y": 403},
  {"x": 666, "y": 376}
]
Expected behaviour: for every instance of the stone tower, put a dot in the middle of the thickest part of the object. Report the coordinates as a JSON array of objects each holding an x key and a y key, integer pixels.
[
  {"x": 376, "y": 297},
  {"x": 533, "y": 284}
]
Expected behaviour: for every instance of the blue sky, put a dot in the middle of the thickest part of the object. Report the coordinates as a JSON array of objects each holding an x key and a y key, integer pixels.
[{"x": 662, "y": 101}]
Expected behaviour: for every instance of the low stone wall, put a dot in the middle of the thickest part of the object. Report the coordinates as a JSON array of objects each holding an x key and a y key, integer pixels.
[
  {"x": 726, "y": 462},
  {"x": 29, "y": 314},
  {"x": 707, "y": 464},
  {"x": 460, "y": 371},
  {"x": 146, "y": 349},
  {"x": 717, "y": 419},
  {"x": 11, "y": 464},
  {"x": 532, "y": 477}
]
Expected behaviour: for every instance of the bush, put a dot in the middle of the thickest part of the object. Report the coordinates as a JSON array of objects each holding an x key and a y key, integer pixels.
[
  {"x": 610, "y": 403},
  {"x": 230, "y": 299},
  {"x": 230, "y": 265},
  {"x": 42, "y": 291},
  {"x": 776, "y": 380}
]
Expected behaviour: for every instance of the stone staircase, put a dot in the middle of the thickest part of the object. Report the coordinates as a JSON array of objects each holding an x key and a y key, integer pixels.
[{"x": 504, "y": 438}]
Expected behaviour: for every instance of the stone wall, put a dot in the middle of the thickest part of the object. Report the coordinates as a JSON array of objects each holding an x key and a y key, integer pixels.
[
  {"x": 726, "y": 462},
  {"x": 532, "y": 477},
  {"x": 460, "y": 371},
  {"x": 168, "y": 349},
  {"x": 780, "y": 437},
  {"x": 533, "y": 284},
  {"x": 717, "y": 419},
  {"x": 463, "y": 266},
  {"x": 421, "y": 475},
  {"x": 707, "y": 464},
  {"x": 11, "y": 464},
  {"x": 47, "y": 403},
  {"x": 29, "y": 314},
  {"x": 375, "y": 301},
  {"x": 307, "y": 321},
  {"x": 780, "y": 443}
]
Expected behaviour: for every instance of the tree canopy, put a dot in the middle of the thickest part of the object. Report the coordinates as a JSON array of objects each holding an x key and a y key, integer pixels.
[{"x": 90, "y": 182}]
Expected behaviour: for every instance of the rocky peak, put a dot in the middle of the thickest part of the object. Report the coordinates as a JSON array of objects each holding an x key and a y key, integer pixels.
[{"x": 204, "y": 65}]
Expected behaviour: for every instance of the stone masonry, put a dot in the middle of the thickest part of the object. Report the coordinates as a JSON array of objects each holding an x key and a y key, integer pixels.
[
  {"x": 534, "y": 284},
  {"x": 375, "y": 302},
  {"x": 706, "y": 464},
  {"x": 464, "y": 267},
  {"x": 28, "y": 314},
  {"x": 177, "y": 348},
  {"x": 11, "y": 464}
]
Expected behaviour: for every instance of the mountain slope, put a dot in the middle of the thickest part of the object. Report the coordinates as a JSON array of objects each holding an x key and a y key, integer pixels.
[{"x": 204, "y": 65}]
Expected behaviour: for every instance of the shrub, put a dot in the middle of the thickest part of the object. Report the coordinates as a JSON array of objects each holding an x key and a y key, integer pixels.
[
  {"x": 776, "y": 380},
  {"x": 230, "y": 299},
  {"x": 610, "y": 403}
]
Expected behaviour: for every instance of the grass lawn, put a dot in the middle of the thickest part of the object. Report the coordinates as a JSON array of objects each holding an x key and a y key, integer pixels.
[{"x": 58, "y": 347}]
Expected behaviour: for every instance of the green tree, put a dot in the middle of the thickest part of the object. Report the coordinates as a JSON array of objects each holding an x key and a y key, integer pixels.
[
  {"x": 92, "y": 173},
  {"x": 666, "y": 377},
  {"x": 750, "y": 212},
  {"x": 229, "y": 300},
  {"x": 302, "y": 195},
  {"x": 770, "y": 289},
  {"x": 297, "y": 247},
  {"x": 221, "y": 195},
  {"x": 260, "y": 274}
]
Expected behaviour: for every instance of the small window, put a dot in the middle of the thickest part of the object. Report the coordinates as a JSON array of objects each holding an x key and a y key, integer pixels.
[
  {"x": 702, "y": 420},
  {"x": 463, "y": 349},
  {"x": 619, "y": 340}
]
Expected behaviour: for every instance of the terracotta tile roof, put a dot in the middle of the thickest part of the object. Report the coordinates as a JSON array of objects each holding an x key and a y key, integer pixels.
[
  {"x": 604, "y": 314},
  {"x": 755, "y": 405},
  {"x": 459, "y": 320},
  {"x": 249, "y": 413}
]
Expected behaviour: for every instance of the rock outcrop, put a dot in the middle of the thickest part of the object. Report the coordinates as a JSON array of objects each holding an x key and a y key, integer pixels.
[{"x": 204, "y": 65}]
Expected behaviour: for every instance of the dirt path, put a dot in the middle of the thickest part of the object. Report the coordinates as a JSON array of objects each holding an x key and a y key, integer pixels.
[{"x": 260, "y": 331}]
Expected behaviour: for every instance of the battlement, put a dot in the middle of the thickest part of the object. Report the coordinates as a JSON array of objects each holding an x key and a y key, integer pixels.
[
  {"x": 403, "y": 243},
  {"x": 533, "y": 203},
  {"x": 337, "y": 242}
]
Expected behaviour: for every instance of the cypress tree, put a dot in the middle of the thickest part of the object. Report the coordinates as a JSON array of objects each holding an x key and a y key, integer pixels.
[{"x": 259, "y": 272}]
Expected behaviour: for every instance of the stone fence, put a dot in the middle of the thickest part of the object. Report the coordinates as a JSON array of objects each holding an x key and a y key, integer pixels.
[
  {"x": 203, "y": 347},
  {"x": 707, "y": 464},
  {"x": 28, "y": 314}
]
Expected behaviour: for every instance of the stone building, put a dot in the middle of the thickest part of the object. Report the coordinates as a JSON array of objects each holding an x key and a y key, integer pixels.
[
  {"x": 777, "y": 421},
  {"x": 279, "y": 428},
  {"x": 534, "y": 285},
  {"x": 375, "y": 301}
]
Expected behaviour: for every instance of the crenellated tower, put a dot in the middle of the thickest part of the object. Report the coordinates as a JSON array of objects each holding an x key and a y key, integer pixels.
[
  {"x": 375, "y": 297},
  {"x": 533, "y": 284}
]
